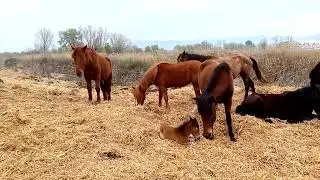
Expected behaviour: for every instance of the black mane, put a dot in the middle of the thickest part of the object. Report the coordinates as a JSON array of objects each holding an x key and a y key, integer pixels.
[{"x": 191, "y": 56}]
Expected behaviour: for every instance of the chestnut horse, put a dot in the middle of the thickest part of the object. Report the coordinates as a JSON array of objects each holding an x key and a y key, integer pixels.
[
  {"x": 182, "y": 132},
  {"x": 216, "y": 84},
  {"x": 165, "y": 75},
  {"x": 240, "y": 65},
  {"x": 94, "y": 67}
]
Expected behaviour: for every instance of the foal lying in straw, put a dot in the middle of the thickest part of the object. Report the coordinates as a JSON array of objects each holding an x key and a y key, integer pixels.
[{"x": 182, "y": 132}]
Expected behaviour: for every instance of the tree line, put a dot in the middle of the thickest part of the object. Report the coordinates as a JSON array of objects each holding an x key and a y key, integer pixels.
[
  {"x": 101, "y": 40},
  {"x": 97, "y": 38}
]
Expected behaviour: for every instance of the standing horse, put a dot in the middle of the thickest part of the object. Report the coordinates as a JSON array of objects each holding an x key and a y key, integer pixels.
[
  {"x": 182, "y": 132},
  {"x": 240, "y": 65},
  {"x": 216, "y": 84},
  {"x": 165, "y": 75},
  {"x": 184, "y": 56},
  {"x": 94, "y": 67}
]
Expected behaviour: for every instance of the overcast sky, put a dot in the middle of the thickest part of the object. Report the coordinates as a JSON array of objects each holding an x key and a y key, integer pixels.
[{"x": 157, "y": 19}]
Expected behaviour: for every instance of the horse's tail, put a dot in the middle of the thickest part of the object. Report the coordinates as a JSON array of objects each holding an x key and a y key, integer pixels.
[
  {"x": 149, "y": 77},
  {"x": 257, "y": 70}
]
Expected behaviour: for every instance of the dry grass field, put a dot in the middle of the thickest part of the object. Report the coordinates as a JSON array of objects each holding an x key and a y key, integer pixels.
[{"x": 49, "y": 131}]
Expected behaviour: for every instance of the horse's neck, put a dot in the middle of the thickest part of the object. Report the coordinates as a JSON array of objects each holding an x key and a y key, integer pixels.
[{"x": 145, "y": 83}]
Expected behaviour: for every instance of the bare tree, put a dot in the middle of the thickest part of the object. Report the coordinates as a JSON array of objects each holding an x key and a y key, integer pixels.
[
  {"x": 119, "y": 42},
  {"x": 94, "y": 37},
  {"x": 44, "y": 39}
]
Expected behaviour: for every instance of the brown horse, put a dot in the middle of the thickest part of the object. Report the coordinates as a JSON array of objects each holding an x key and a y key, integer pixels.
[
  {"x": 165, "y": 75},
  {"x": 94, "y": 67},
  {"x": 240, "y": 65},
  {"x": 182, "y": 132},
  {"x": 216, "y": 84},
  {"x": 184, "y": 56}
]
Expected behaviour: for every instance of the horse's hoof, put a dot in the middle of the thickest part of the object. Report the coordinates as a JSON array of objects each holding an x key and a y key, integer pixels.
[
  {"x": 209, "y": 136},
  {"x": 233, "y": 140}
]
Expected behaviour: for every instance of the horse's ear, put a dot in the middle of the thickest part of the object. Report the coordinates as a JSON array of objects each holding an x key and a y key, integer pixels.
[
  {"x": 72, "y": 47},
  {"x": 85, "y": 47},
  {"x": 184, "y": 52}
]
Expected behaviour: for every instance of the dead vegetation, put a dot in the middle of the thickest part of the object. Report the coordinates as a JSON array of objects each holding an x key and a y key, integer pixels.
[{"x": 45, "y": 135}]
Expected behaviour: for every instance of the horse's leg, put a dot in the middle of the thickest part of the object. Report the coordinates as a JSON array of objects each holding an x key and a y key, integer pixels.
[
  {"x": 251, "y": 85},
  {"x": 89, "y": 88},
  {"x": 160, "y": 97},
  {"x": 196, "y": 89},
  {"x": 103, "y": 88},
  {"x": 165, "y": 94},
  {"x": 245, "y": 79},
  {"x": 227, "y": 107},
  {"x": 107, "y": 88},
  {"x": 97, "y": 83}
]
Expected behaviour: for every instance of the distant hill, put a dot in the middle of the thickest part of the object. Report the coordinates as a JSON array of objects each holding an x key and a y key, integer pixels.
[{"x": 170, "y": 44}]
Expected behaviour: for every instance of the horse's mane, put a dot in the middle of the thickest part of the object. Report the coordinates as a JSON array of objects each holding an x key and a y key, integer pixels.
[
  {"x": 216, "y": 75},
  {"x": 149, "y": 77},
  {"x": 198, "y": 56}
]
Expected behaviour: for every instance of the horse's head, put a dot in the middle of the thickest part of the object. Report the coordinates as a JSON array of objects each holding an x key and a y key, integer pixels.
[
  {"x": 80, "y": 59},
  {"x": 182, "y": 57},
  {"x": 252, "y": 105},
  {"x": 206, "y": 108},
  {"x": 138, "y": 94},
  {"x": 193, "y": 128}
]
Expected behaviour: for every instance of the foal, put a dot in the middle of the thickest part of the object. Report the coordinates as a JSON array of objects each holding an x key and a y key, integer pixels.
[
  {"x": 216, "y": 84},
  {"x": 182, "y": 132}
]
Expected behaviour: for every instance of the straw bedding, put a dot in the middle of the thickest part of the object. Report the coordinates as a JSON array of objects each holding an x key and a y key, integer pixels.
[{"x": 49, "y": 131}]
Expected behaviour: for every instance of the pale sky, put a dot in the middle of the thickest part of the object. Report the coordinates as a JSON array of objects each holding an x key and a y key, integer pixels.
[{"x": 157, "y": 19}]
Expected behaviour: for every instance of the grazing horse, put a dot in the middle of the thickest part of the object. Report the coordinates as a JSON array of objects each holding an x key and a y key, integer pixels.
[
  {"x": 184, "y": 56},
  {"x": 182, "y": 132},
  {"x": 94, "y": 67},
  {"x": 293, "y": 106},
  {"x": 165, "y": 75},
  {"x": 216, "y": 84},
  {"x": 240, "y": 65}
]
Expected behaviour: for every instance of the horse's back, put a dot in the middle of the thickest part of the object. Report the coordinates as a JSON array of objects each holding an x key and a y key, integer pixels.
[
  {"x": 106, "y": 66},
  {"x": 206, "y": 70},
  {"x": 178, "y": 74}
]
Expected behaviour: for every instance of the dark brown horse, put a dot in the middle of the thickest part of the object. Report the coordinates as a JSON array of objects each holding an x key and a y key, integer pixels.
[
  {"x": 94, "y": 67},
  {"x": 182, "y": 132},
  {"x": 240, "y": 65},
  {"x": 315, "y": 85},
  {"x": 216, "y": 84},
  {"x": 184, "y": 56},
  {"x": 165, "y": 75},
  {"x": 293, "y": 106}
]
